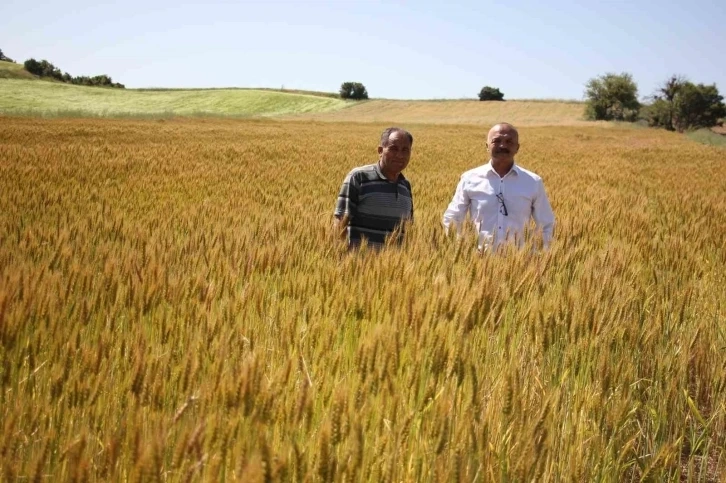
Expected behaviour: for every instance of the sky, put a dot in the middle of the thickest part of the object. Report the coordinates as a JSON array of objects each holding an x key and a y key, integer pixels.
[{"x": 398, "y": 50}]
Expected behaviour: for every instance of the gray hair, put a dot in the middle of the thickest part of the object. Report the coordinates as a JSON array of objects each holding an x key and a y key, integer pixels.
[{"x": 387, "y": 134}]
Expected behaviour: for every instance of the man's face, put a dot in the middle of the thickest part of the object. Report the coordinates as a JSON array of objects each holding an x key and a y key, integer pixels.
[
  {"x": 396, "y": 154},
  {"x": 502, "y": 144}
]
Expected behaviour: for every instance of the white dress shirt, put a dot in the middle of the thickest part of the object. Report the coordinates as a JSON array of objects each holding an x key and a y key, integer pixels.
[{"x": 524, "y": 197}]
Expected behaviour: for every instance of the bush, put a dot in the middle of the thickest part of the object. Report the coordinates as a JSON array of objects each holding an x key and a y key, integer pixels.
[
  {"x": 612, "y": 97},
  {"x": 490, "y": 94},
  {"x": 658, "y": 114},
  {"x": 353, "y": 90}
]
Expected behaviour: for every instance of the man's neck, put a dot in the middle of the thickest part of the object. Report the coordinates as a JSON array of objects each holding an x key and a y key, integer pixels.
[
  {"x": 389, "y": 176},
  {"x": 502, "y": 167}
]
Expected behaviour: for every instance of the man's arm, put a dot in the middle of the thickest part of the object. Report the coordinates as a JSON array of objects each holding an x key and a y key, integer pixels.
[
  {"x": 459, "y": 205},
  {"x": 410, "y": 190},
  {"x": 346, "y": 206},
  {"x": 542, "y": 213},
  {"x": 340, "y": 225}
]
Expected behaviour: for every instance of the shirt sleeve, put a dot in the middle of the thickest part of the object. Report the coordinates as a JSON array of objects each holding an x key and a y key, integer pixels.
[
  {"x": 347, "y": 204},
  {"x": 459, "y": 205},
  {"x": 410, "y": 190},
  {"x": 542, "y": 214}
]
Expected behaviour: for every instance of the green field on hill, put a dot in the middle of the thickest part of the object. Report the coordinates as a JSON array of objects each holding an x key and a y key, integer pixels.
[{"x": 24, "y": 94}]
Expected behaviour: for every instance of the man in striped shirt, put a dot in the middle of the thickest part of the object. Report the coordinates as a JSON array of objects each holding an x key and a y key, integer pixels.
[{"x": 375, "y": 200}]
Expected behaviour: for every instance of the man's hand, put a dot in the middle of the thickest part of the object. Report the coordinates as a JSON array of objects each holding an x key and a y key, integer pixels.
[{"x": 340, "y": 226}]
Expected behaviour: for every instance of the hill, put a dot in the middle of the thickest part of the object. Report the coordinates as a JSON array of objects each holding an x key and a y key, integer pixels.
[
  {"x": 57, "y": 99},
  {"x": 11, "y": 70},
  {"x": 24, "y": 94}
]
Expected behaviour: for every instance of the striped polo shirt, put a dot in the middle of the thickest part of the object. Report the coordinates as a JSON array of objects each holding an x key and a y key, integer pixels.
[{"x": 374, "y": 205}]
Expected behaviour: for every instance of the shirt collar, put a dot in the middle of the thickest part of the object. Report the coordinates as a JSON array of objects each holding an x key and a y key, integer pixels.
[
  {"x": 489, "y": 168},
  {"x": 380, "y": 174}
]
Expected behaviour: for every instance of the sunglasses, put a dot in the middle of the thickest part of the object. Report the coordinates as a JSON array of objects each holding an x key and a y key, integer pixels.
[{"x": 503, "y": 208}]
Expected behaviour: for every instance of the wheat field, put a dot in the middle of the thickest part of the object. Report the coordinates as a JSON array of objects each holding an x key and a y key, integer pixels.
[
  {"x": 470, "y": 112},
  {"x": 174, "y": 307}
]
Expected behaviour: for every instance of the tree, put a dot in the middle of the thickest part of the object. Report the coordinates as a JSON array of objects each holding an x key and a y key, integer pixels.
[
  {"x": 680, "y": 105},
  {"x": 32, "y": 66},
  {"x": 50, "y": 70},
  {"x": 353, "y": 90},
  {"x": 658, "y": 113},
  {"x": 43, "y": 69},
  {"x": 5, "y": 57},
  {"x": 490, "y": 94},
  {"x": 697, "y": 106},
  {"x": 667, "y": 94},
  {"x": 612, "y": 97}
]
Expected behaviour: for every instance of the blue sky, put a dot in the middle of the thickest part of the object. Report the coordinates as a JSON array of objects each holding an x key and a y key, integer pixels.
[{"x": 399, "y": 50}]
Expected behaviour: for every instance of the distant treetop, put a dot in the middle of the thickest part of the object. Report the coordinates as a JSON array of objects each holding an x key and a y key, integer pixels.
[
  {"x": 353, "y": 90},
  {"x": 4, "y": 57},
  {"x": 612, "y": 97},
  {"x": 490, "y": 94},
  {"x": 680, "y": 105}
]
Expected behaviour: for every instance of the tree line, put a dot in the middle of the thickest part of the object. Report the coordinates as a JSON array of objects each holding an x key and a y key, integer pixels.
[
  {"x": 677, "y": 104},
  {"x": 357, "y": 92},
  {"x": 47, "y": 70}
]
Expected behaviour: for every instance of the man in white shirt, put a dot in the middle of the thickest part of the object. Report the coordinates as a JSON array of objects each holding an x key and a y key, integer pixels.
[{"x": 500, "y": 196}]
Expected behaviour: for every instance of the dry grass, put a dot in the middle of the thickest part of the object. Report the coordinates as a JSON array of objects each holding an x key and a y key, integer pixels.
[
  {"x": 521, "y": 113},
  {"x": 172, "y": 308}
]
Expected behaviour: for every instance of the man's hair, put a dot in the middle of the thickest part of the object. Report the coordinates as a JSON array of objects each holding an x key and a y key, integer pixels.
[{"x": 387, "y": 134}]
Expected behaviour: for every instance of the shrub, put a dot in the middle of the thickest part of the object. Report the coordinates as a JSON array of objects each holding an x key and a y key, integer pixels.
[
  {"x": 490, "y": 94},
  {"x": 353, "y": 90}
]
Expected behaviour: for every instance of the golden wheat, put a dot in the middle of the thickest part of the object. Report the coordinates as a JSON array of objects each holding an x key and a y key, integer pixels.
[{"x": 174, "y": 307}]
